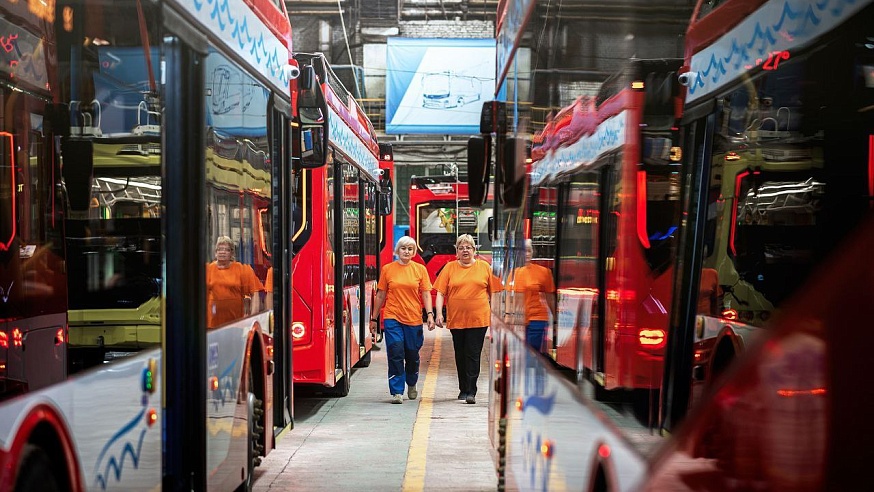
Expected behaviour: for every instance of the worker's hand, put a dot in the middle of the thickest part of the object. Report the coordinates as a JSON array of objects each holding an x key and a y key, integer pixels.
[{"x": 373, "y": 327}]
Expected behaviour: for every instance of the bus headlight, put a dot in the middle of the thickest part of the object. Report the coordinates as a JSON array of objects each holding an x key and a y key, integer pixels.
[{"x": 298, "y": 330}]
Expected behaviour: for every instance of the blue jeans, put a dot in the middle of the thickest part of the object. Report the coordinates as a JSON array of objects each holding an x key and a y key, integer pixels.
[
  {"x": 534, "y": 333},
  {"x": 402, "y": 343}
]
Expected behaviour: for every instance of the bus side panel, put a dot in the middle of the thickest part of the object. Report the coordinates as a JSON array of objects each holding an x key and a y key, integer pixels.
[
  {"x": 313, "y": 271},
  {"x": 226, "y": 409},
  {"x": 109, "y": 413},
  {"x": 552, "y": 435}
]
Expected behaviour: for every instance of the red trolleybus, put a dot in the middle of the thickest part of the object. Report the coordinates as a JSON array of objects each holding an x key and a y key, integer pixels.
[
  {"x": 134, "y": 136},
  {"x": 604, "y": 204},
  {"x": 601, "y": 205},
  {"x": 439, "y": 213},
  {"x": 337, "y": 244},
  {"x": 778, "y": 134}
]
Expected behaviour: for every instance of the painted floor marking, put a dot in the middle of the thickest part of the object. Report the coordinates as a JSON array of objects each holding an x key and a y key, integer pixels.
[{"x": 414, "y": 476}]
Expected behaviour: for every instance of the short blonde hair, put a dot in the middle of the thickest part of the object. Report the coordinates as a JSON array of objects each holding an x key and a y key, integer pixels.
[
  {"x": 230, "y": 242},
  {"x": 465, "y": 238},
  {"x": 405, "y": 241}
]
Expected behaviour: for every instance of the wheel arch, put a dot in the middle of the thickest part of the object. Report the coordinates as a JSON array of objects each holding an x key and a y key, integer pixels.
[
  {"x": 727, "y": 347},
  {"x": 44, "y": 427},
  {"x": 603, "y": 477},
  {"x": 259, "y": 360}
]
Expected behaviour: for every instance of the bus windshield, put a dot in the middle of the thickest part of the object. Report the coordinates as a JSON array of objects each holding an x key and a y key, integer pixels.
[
  {"x": 118, "y": 247},
  {"x": 441, "y": 222}
]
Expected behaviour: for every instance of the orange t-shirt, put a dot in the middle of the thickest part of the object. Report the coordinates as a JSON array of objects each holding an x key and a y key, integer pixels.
[
  {"x": 467, "y": 290},
  {"x": 403, "y": 286},
  {"x": 532, "y": 279},
  {"x": 225, "y": 289}
]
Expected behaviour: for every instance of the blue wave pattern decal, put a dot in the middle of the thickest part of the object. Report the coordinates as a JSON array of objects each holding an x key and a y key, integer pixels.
[
  {"x": 115, "y": 465},
  {"x": 609, "y": 136},
  {"x": 542, "y": 404},
  {"x": 779, "y": 25},
  {"x": 348, "y": 142},
  {"x": 234, "y": 23}
]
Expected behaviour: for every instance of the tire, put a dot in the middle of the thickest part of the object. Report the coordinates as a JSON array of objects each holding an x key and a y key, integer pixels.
[
  {"x": 36, "y": 473},
  {"x": 365, "y": 361},
  {"x": 342, "y": 387},
  {"x": 255, "y": 411},
  {"x": 601, "y": 394}
]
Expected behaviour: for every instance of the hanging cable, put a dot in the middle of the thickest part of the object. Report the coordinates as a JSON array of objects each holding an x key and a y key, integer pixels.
[{"x": 348, "y": 50}]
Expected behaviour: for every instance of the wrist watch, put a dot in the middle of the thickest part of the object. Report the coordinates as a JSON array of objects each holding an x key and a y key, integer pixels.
[{"x": 373, "y": 321}]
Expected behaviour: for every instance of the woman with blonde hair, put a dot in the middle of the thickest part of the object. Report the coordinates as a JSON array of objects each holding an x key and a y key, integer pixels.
[
  {"x": 537, "y": 287},
  {"x": 403, "y": 288},
  {"x": 232, "y": 288},
  {"x": 465, "y": 286}
]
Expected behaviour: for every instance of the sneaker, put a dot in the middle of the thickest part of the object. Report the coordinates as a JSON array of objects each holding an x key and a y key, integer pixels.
[
  {"x": 397, "y": 399},
  {"x": 462, "y": 396},
  {"x": 412, "y": 393},
  {"x": 471, "y": 399}
]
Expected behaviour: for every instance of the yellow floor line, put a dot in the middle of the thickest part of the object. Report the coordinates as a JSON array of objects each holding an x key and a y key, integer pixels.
[{"x": 414, "y": 476}]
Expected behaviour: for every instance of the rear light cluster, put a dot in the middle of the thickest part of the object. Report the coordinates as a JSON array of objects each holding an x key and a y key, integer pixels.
[
  {"x": 653, "y": 338},
  {"x": 4, "y": 345}
]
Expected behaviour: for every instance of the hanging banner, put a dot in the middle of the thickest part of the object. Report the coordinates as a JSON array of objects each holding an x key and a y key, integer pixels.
[{"x": 438, "y": 85}]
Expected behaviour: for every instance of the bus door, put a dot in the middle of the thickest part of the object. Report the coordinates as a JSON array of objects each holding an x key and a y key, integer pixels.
[
  {"x": 370, "y": 256},
  {"x": 578, "y": 324},
  {"x": 348, "y": 278},
  {"x": 543, "y": 204},
  {"x": 608, "y": 267}
]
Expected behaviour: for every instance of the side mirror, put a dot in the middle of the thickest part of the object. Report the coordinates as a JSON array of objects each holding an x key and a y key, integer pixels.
[
  {"x": 313, "y": 110},
  {"x": 77, "y": 170},
  {"x": 513, "y": 172},
  {"x": 493, "y": 117},
  {"x": 479, "y": 150}
]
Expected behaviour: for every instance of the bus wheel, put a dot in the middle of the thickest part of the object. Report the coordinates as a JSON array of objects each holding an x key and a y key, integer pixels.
[
  {"x": 365, "y": 361},
  {"x": 36, "y": 472},
  {"x": 723, "y": 356},
  {"x": 255, "y": 409},
  {"x": 342, "y": 387}
]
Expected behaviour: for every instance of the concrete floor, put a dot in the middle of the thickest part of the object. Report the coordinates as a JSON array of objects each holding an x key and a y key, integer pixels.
[{"x": 364, "y": 443}]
